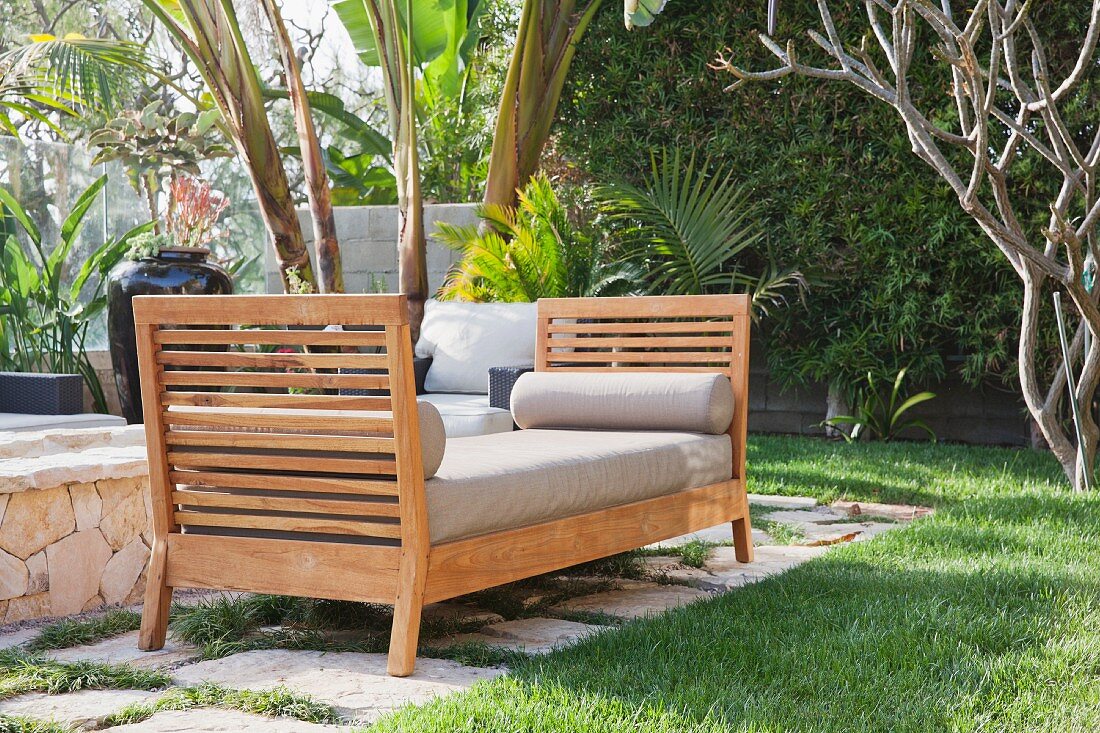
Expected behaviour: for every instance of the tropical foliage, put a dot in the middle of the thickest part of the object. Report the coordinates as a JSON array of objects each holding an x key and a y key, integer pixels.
[
  {"x": 44, "y": 319},
  {"x": 691, "y": 232},
  {"x": 66, "y": 76},
  {"x": 882, "y": 417},
  {"x": 529, "y": 252}
]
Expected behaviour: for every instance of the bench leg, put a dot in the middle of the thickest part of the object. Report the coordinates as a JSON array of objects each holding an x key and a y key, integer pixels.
[
  {"x": 405, "y": 633},
  {"x": 158, "y": 600},
  {"x": 742, "y": 538}
]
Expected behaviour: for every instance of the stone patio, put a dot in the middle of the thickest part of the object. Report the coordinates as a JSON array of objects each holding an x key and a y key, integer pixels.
[{"x": 356, "y": 685}]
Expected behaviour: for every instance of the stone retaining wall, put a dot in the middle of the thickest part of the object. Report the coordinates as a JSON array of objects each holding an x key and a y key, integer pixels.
[{"x": 74, "y": 521}]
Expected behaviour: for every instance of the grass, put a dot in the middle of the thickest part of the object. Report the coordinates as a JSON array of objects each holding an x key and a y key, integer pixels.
[
  {"x": 20, "y": 724},
  {"x": 278, "y": 702},
  {"x": 984, "y": 617},
  {"x": 22, "y": 672},
  {"x": 68, "y": 632},
  {"x": 223, "y": 625}
]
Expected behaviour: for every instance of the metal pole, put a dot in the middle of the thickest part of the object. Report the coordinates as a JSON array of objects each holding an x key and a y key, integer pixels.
[{"x": 1071, "y": 385}]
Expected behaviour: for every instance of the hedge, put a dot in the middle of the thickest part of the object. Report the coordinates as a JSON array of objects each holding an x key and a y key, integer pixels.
[{"x": 903, "y": 276}]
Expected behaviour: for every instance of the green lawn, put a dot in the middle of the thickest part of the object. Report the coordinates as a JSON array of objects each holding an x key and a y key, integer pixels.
[{"x": 985, "y": 617}]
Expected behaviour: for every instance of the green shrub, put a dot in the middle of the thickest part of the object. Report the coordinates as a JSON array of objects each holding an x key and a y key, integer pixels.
[{"x": 902, "y": 276}]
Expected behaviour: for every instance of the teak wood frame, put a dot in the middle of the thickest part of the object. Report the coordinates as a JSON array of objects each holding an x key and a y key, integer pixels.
[{"x": 200, "y": 468}]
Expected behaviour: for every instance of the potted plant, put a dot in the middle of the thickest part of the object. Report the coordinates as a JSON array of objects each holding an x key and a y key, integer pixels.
[
  {"x": 48, "y": 301},
  {"x": 173, "y": 262}
]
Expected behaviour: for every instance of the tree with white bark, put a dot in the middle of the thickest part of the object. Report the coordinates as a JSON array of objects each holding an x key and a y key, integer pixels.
[{"x": 1011, "y": 127}]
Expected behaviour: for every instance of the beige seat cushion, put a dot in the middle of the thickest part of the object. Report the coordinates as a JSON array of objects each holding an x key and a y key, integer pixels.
[
  {"x": 672, "y": 401},
  {"x": 493, "y": 482}
]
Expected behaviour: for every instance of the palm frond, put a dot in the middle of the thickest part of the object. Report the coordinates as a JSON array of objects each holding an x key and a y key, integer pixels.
[
  {"x": 683, "y": 226},
  {"x": 71, "y": 73}
]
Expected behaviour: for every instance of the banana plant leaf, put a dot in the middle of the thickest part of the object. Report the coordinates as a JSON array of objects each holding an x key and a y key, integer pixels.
[{"x": 444, "y": 35}]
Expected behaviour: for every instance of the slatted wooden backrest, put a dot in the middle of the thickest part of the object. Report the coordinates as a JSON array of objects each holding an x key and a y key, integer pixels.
[
  {"x": 247, "y": 435},
  {"x": 691, "y": 333}
]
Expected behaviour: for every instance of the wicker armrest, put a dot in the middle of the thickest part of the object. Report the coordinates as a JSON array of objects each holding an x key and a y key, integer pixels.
[
  {"x": 420, "y": 371},
  {"x": 41, "y": 394},
  {"x": 501, "y": 381}
]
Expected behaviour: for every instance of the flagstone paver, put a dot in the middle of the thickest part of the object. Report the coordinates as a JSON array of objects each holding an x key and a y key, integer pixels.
[
  {"x": 216, "y": 720},
  {"x": 897, "y": 512},
  {"x": 530, "y": 635},
  {"x": 782, "y": 502},
  {"x": 459, "y": 612},
  {"x": 83, "y": 709},
  {"x": 355, "y": 684},
  {"x": 124, "y": 650},
  {"x": 649, "y": 600}
]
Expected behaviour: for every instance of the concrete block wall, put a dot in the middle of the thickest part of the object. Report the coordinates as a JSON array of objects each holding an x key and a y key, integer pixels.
[
  {"x": 368, "y": 245},
  {"x": 958, "y": 413}
]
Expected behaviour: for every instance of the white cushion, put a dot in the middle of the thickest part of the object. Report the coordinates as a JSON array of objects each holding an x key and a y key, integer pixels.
[
  {"x": 18, "y": 422},
  {"x": 465, "y": 415},
  {"x": 465, "y": 339}
]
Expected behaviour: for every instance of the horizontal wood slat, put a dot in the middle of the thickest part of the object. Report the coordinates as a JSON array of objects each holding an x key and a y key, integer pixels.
[
  {"x": 269, "y": 337},
  {"x": 319, "y": 525},
  {"x": 293, "y": 567},
  {"x": 660, "y": 306},
  {"x": 284, "y": 401},
  {"x": 646, "y": 327},
  {"x": 285, "y": 504},
  {"x": 329, "y": 420},
  {"x": 641, "y": 357},
  {"x": 270, "y": 362},
  {"x": 291, "y": 441},
  {"x": 271, "y": 310},
  {"x": 641, "y": 342},
  {"x": 181, "y": 459},
  {"x": 282, "y": 482},
  {"x": 275, "y": 379}
]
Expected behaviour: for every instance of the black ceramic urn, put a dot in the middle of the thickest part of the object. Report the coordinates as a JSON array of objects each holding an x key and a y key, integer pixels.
[{"x": 175, "y": 271}]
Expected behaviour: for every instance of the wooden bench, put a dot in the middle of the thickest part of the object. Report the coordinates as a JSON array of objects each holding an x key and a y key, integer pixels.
[{"x": 350, "y": 482}]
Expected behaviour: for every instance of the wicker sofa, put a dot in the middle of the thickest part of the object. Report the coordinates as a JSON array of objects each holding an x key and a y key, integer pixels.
[
  {"x": 45, "y": 402},
  {"x": 634, "y": 431}
]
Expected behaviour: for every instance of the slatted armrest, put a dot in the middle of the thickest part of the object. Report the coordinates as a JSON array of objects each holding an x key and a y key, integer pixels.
[{"x": 501, "y": 382}]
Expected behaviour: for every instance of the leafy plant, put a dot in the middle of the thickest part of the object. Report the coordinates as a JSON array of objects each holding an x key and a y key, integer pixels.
[
  {"x": 530, "y": 252},
  {"x": 44, "y": 320},
  {"x": 880, "y": 418},
  {"x": 153, "y": 147},
  {"x": 687, "y": 230}
]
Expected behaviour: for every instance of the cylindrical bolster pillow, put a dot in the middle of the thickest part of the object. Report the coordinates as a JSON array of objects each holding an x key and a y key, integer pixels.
[
  {"x": 433, "y": 438},
  {"x": 674, "y": 401}
]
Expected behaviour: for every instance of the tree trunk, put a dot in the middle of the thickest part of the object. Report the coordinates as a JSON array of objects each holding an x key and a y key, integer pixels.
[
  {"x": 212, "y": 40},
  {"x": 325, "y": 242},
  {"x": 836, "y": 404},
  {"x": 545, "y": 43},
  {"x": 398, "y": 78}
]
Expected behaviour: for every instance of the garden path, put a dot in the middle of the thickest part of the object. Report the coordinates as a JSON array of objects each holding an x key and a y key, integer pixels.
[{"x": 353, "y": 687}]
